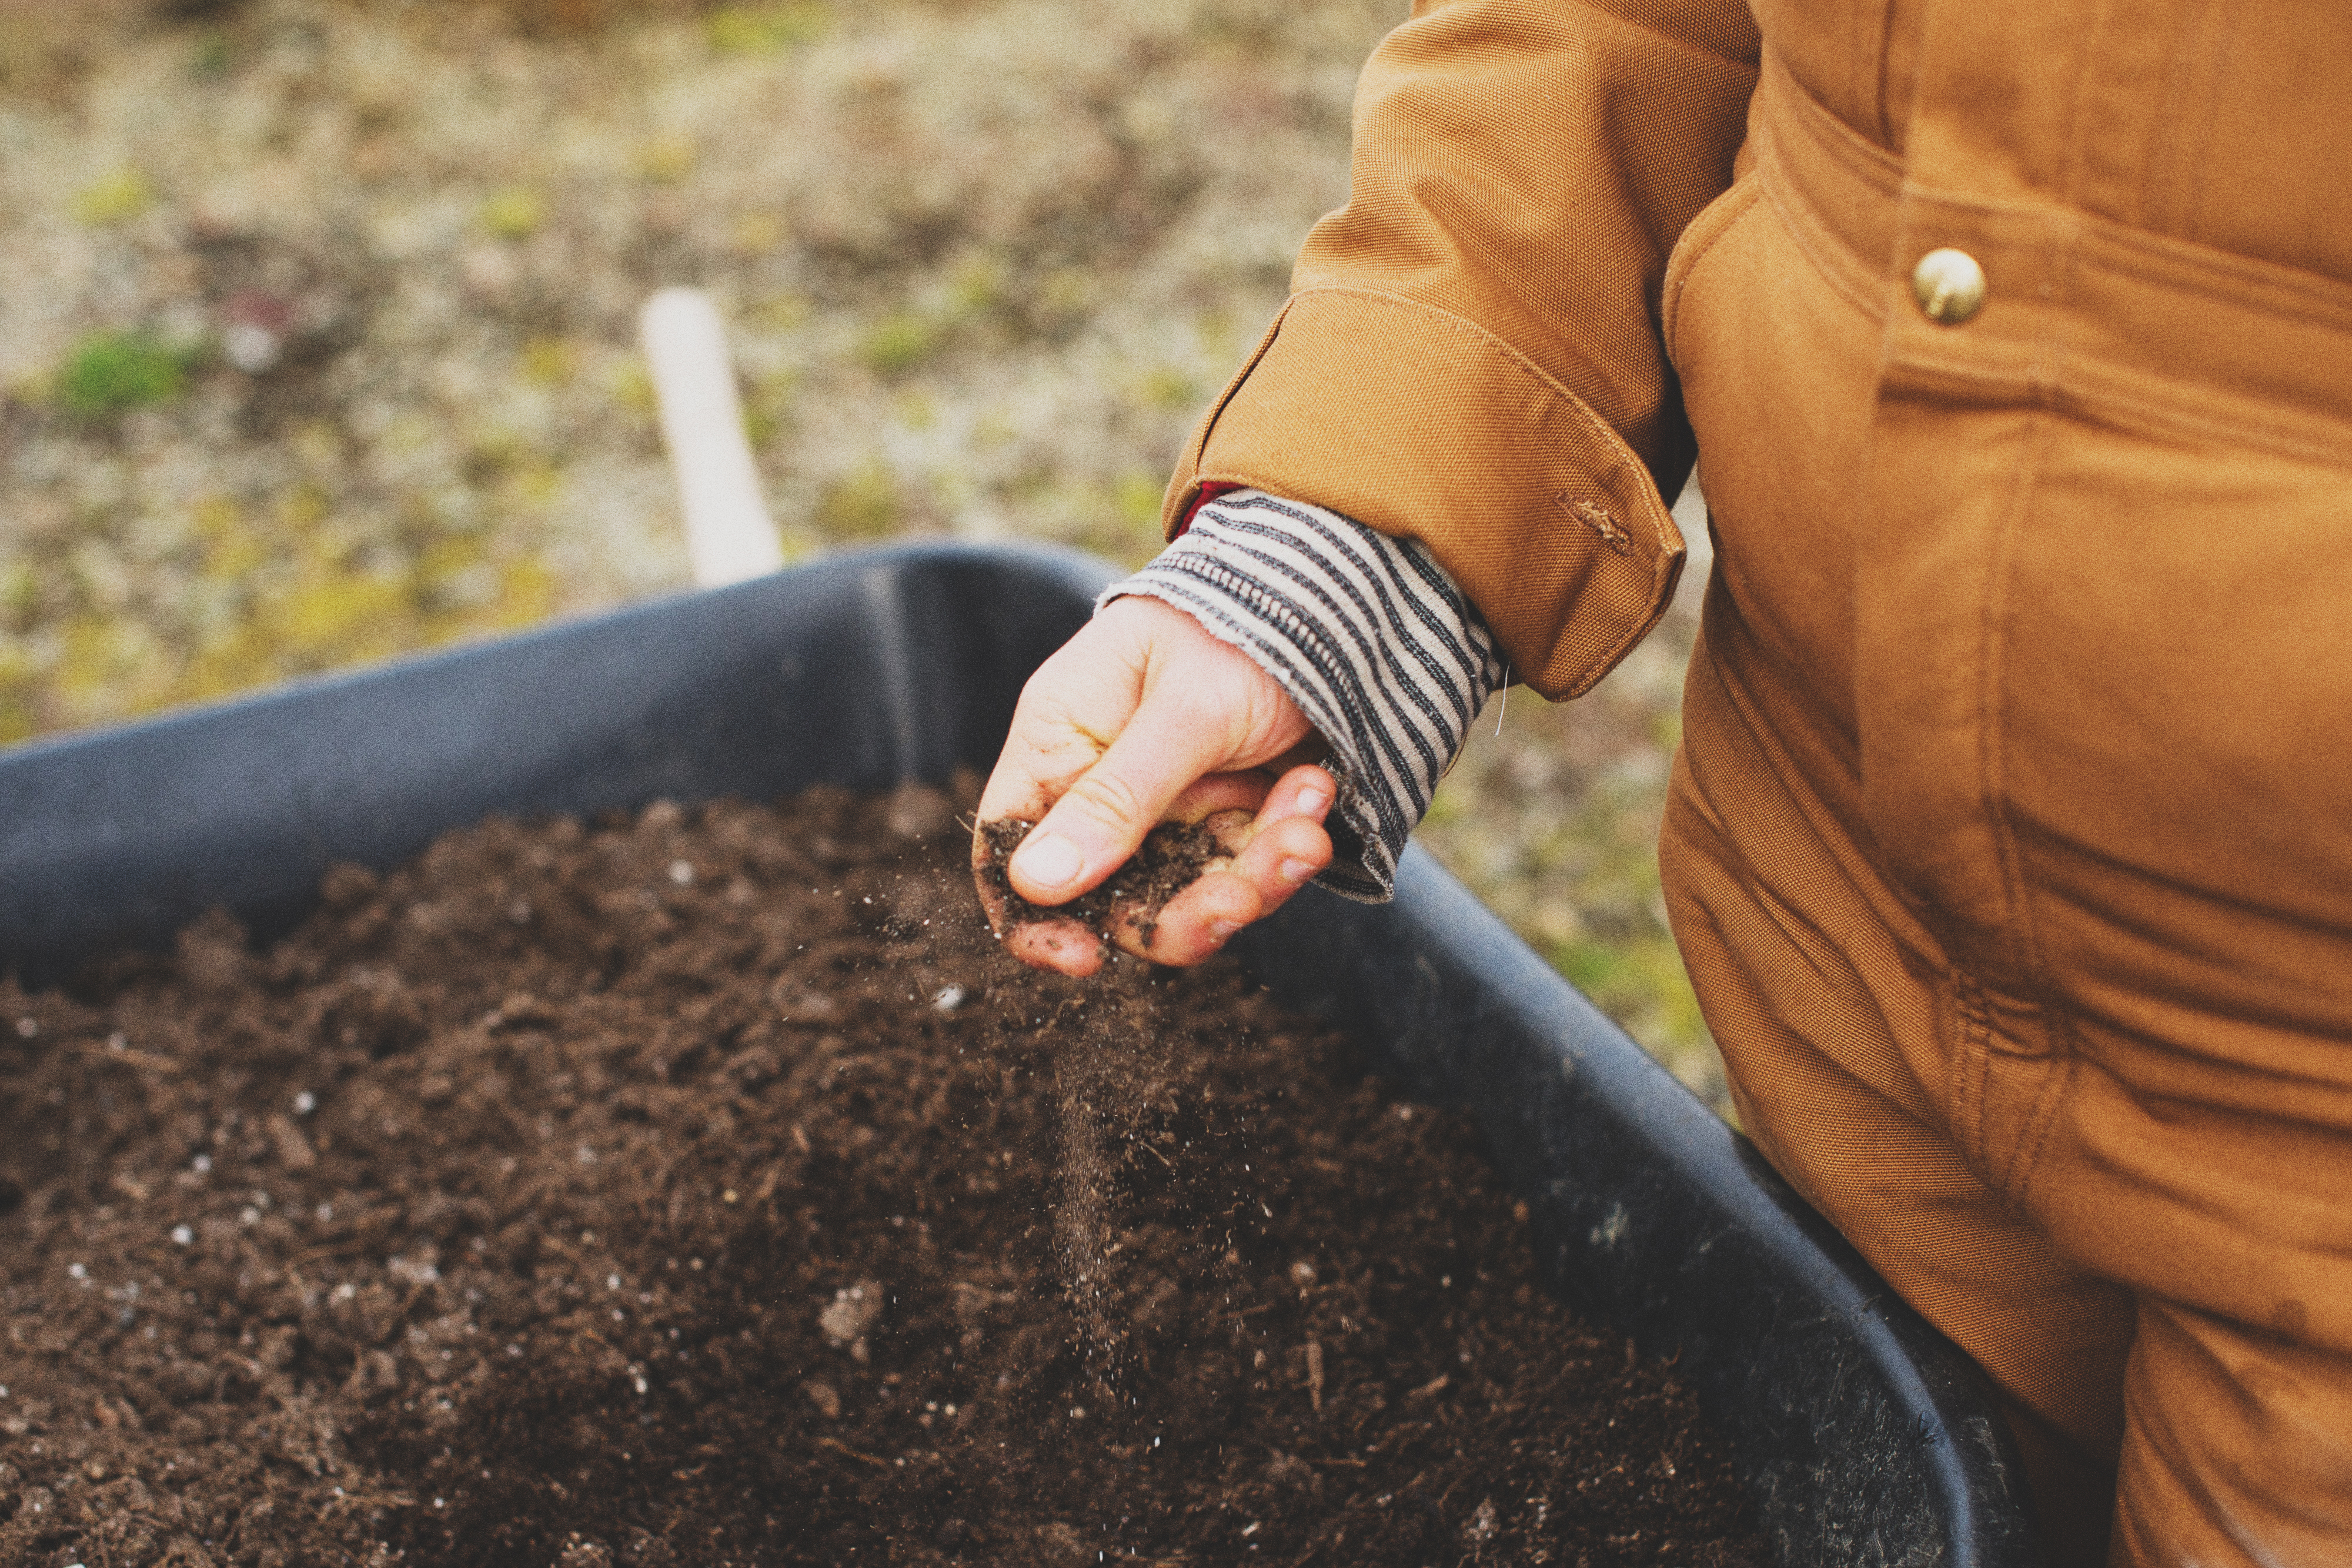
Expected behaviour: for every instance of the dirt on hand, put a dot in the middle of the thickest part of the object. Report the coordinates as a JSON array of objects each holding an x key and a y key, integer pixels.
[
  {"x": 708, "y": 1187},
  {"x": 1171, "y": 859}
]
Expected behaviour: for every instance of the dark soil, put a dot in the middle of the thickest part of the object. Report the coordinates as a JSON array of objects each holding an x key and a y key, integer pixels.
[
  {"x": 708, "y": 1187},
  {"x": 1171, "y": 859}
]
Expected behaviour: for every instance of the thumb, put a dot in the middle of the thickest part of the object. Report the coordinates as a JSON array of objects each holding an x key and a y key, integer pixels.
[{"x": 1165, "y": 748}]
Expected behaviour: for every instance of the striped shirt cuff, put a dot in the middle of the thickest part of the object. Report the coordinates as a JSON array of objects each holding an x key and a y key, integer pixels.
[{"x": 1366, "y": 633}]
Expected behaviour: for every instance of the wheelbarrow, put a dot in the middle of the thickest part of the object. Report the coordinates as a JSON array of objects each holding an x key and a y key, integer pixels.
[{"x": 1864, "y": 1437}]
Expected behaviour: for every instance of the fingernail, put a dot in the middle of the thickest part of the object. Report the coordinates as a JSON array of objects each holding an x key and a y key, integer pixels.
[
  {"x": 1312, "y": 802},
  {"x": 1296, "y": 872},
  {"x": 1221, "y": 931},
  {"x": 1049, "y": 860}
]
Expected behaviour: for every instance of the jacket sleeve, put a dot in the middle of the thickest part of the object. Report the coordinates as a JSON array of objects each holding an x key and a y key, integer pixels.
[
  {"x": 1368, "y": 635},
  {"x": 1471, "y": 353}
]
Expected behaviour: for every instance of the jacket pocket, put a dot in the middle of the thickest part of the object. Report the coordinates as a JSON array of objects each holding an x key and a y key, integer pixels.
[{"x": 1715, "y": 220}]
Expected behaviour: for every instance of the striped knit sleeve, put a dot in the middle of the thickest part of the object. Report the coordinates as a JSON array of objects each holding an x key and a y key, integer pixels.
[{"x": 1368, "y": 635}]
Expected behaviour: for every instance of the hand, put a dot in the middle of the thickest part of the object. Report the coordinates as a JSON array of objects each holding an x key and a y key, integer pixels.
[{"x": 1144, "y": 717}]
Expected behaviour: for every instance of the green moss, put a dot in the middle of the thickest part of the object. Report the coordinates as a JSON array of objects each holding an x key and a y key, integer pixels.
[
  {"x": 1135, "y": 497},
  {"x": 116, "y": 199},
  {"x": 768, "y": 405},
  {"x": 633, "y": 387},
  {"x": 1636, "y": 976},
  {"x": 19, "y": 692},
  {"x": 861, "y": 505},
  {"x": 897, "y": 343},
  {"x": 667, "y": 160},
  {"x": 766, "y": 29},
  {"x": 272, "y": 588},
  {"x": 330, "y": 612},
  {"x": 526, "y": 596},
  {"x": 20, "y": 595},
  {"x": 980, "y": 286},
  {"x": 1168, "y": 390},
  {"x": 339, "y": 618},
  {"x": 112, "y": 372},
  {"x": 211, "y": 58},
  {"x": 514, "y": 213},
  {"x": 232, "y": 550},
  {"x": 1642, "y": 984},
  {"x": 548, "y": 362},
  {"x": 92, "y": 661}
]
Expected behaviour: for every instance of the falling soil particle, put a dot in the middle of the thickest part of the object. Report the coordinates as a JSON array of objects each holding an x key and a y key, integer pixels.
[
  {"x": 537, "y": 1205},
  {"x": 1171, "y": 859}
]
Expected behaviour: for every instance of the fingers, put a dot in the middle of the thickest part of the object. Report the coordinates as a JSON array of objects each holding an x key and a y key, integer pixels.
[
  {"x": 1067, "y": 945},
  {"x": 1126, "y": 718},
  {"x": 1278, "y": 853},
  {"x": 1245, "y": 793},
  {"x": 1141, "y": 718},
  {"x": 1060, "y": 944},
  {"x": 1273, "y": 855},
  {"x": 1288, "y": 846},
  {"x": 1165, "y": 749}
]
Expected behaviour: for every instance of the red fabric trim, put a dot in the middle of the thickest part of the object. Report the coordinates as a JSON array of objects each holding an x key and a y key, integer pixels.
[{"x": 1209, "y": 491}]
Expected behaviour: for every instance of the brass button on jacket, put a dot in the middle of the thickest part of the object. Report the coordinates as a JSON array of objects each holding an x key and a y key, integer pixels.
[{"x": 1949, "y": 286}]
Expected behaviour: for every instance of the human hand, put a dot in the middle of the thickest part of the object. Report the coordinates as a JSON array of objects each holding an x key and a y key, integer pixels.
[{"x": 1142, "y": 718}]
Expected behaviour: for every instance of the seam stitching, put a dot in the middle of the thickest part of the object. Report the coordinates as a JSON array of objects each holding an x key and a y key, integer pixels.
[
  {"x": 1826, "y": 255},
  {"x": 1967, "y": 1055},
  {"x": 1706, "y": 242},
  {"x": 2043, "y": 1115},
  {"x": 1462, "y": 327},
  {"x": 1993, "y": 696}
]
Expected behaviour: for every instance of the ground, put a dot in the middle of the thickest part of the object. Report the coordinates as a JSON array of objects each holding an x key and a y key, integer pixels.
[{"x": 317, "y": 339}]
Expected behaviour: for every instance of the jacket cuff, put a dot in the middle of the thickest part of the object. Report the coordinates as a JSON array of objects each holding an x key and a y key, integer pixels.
[
  {"x": 1368, "y": 635},
  {"x": 1418, "y": 423}
]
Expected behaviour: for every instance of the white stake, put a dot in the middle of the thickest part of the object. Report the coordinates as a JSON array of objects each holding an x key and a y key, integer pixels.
[{"x": 729, "y": 533}]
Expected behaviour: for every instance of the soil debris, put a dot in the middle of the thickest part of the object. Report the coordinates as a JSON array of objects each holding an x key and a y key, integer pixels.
[
  {"x": 612, "y": 1247},
  {"x": 1171, "y": 858}
]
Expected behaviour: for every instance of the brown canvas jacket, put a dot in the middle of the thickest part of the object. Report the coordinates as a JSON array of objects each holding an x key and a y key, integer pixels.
[
  {"x": 1476, "y": 351},
  {"x": 2010, "y": 846}
]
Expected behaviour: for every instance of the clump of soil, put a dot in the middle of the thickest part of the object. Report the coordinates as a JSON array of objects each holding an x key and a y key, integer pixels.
[
  {"x": 1171, "y": 859},
  {"x": 707, "y": 1188}
]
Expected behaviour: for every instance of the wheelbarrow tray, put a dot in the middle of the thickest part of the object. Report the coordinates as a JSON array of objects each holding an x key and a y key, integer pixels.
[{"x": 1864, "y": 1435}]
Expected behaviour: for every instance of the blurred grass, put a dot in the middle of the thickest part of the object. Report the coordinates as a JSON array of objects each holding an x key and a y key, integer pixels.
[
  {"x": 289, "y": 594},
  {"x": 108, "y": 374},
  {"x": 514, "y": 213},
  {"x": 116, "y": 198},
  {"x": 765, "y": 29}
]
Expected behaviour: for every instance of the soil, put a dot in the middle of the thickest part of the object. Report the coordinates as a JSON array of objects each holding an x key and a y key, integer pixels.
[
  {"x": 1171, "y": 858},
  {"x": 708, "y": 1187}
]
